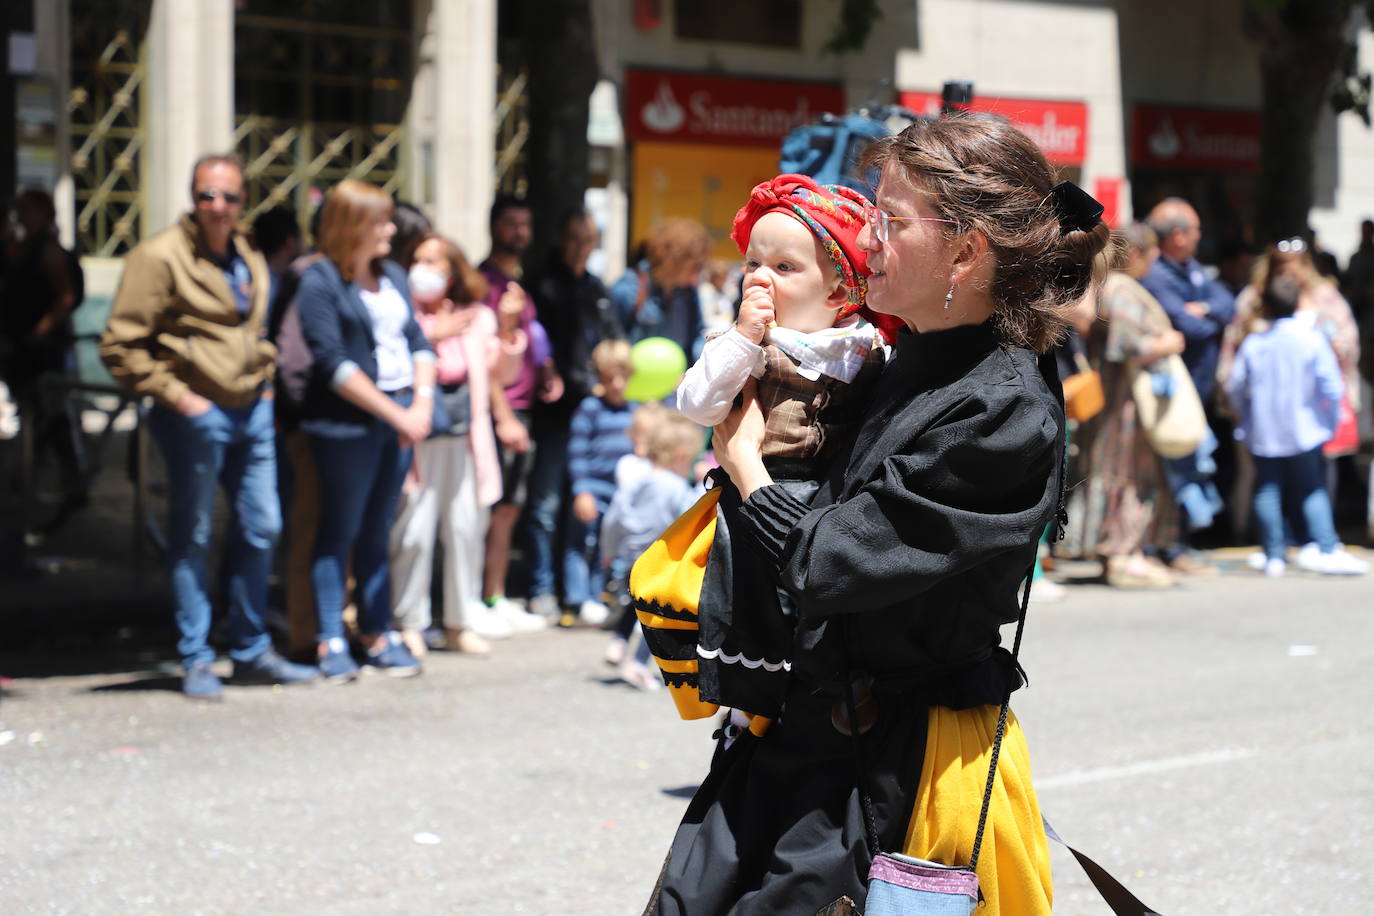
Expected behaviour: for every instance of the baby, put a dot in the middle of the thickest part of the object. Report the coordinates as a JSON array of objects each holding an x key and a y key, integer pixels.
[
  {"x": 802, "y": 330},
  {"x": 804, "y": 333}
]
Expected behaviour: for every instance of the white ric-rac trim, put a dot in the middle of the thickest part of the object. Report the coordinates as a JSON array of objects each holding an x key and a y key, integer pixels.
[{"x": 740, "y": 659}]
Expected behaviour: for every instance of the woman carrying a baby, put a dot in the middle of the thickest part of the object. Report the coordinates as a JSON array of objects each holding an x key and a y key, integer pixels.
[{"x": 900, "y": 566}]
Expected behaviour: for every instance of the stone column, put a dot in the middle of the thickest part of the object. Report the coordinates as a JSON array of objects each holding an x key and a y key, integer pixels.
[
  {"x": 450, "y": 124},
  {"x": 188, "y": 100}
]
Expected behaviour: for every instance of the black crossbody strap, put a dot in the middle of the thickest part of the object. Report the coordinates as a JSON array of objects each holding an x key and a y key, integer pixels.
[
  {"x": 865, "y": 800},
  {"x": 1122, "y": 901}
]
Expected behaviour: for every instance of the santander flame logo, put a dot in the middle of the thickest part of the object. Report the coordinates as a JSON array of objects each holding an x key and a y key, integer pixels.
[
  {"x": 663, "y": 114},
  {"x": 1165, "y": 142}
]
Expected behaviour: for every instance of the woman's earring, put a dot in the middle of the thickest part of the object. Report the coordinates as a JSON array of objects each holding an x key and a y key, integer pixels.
[{"x": 949, "y": 297}]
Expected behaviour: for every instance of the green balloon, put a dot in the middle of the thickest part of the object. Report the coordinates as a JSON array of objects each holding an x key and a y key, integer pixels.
[{"x": 657, "y": 366}]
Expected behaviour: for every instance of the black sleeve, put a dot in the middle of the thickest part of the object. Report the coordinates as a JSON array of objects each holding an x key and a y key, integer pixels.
[{"x": 973, "y": 486}]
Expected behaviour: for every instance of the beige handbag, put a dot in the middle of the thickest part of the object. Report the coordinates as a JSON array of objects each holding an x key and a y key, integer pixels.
[{"x": 1174, "y": 423}]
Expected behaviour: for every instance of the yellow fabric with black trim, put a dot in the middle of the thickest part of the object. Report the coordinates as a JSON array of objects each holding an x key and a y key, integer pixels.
[
  {"x": 1014, "y": 863},
  {"x": 665, "y": 585}
]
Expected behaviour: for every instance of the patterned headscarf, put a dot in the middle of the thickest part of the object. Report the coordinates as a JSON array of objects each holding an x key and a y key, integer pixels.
[{"x": 834, "y": 214}]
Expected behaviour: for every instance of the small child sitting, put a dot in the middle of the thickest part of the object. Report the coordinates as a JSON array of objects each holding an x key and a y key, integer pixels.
[
  {"x": 599, "y": 440},
  {"x": 1286, "y": 387},
  {"x": 804, "y": 333},
  {"x": 644, "y": 508}
]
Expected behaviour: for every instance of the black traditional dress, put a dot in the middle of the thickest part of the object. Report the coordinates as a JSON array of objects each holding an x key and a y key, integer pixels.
[{"x": 902, "y": 568}]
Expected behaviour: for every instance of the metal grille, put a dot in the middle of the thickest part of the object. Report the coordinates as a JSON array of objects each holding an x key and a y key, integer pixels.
[
  {"x": 512, "y": 131},
  {"x": 104, "y": 119},
  {"x": 322, "y": 94}
]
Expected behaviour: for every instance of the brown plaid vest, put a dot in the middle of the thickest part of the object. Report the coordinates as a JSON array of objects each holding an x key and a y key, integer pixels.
[{"x": 803, "y": 416}]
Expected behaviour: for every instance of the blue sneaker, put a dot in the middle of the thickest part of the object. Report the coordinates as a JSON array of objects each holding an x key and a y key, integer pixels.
[
  {"x": 338, "y": 665},
  {"x": 271, "y": 668},
  {"x": 393, "y": 658},
  {"x": 200, "y": 683}
]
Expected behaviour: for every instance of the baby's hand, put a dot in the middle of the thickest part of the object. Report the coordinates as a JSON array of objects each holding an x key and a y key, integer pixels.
[{"x": 755, "y": 313}]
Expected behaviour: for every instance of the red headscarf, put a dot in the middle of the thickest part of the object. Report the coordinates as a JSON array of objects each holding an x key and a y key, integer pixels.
[{"x": 834, "y": 214}]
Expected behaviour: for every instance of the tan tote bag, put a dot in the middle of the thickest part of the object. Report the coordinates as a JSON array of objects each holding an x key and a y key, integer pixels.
[{"x": 1174, "y": 423}]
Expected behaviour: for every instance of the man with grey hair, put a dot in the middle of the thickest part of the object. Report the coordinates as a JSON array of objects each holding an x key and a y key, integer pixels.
[
  {"x": 186, "y": 329},
  {"x": 1199, "y": 307}
]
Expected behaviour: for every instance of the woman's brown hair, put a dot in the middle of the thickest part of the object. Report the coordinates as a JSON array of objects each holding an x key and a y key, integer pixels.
[
  {"x": 674, "y": 244},
  {"x": 988, "y": 177},
  {"x": 350, "y": 209},
  {"x": 465, "y": 282}
]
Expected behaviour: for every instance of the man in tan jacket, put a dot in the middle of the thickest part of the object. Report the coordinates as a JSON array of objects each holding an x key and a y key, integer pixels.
[{"x": 186, "y": 330}]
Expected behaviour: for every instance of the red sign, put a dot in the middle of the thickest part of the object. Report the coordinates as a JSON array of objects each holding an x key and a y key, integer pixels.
[
  {"x": 1060, "y": 129},
  {"x": 694, "y": 108},
  {"x": 1197, "y": 139},
  {"x": 1108, "y": 194}
]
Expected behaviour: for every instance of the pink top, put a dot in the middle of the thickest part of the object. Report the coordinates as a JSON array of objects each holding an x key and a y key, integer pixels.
[{"x": 454, "y": 358}]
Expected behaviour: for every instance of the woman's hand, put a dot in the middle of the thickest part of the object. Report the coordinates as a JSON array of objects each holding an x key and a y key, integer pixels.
[
  {"x": 412, "y": 424},
  {"x": 510, "y": 307},
  {"x": 1170, "y": 343},
  {"x": 738, "y": 443},
  {"x": 512, "y": 435},
  {"x": 450, "y": 322},
  {"x": 584, "y": 508}
]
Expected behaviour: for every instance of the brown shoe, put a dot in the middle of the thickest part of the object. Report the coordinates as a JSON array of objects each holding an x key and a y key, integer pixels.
[
  {"x": 466, "y": 641},
  {"x": 414, "y": 641},
  {"x": 1136, "y": 572},
  {"x": 1191, "y": 566}
]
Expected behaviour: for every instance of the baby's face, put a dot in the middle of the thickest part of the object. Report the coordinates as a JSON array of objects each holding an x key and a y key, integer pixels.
[{"x": 785, "y": 258}]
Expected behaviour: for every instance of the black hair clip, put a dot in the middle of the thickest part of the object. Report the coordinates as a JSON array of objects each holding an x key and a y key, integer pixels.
[{"x": 1074, "y": 207}]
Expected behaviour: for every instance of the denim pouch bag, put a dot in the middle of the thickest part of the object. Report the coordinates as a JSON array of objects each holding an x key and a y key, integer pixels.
[{"x": 901, "y": 885}]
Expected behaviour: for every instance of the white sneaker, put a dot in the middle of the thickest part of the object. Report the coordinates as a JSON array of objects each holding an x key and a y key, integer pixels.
[
  {"x": 1275, "y": 568},
  {"x": 593, "y": 613},
  {"x": 1043, "y": 591},
  {"x": 1310, "y": 557},
  {"x": 519, "y": 619},
  {"x": 485, "y": 621},
  {"x": 1257, "y": 559},
  {"x": 545, "y": 606},
  {"x": 1340, "y": 563}
]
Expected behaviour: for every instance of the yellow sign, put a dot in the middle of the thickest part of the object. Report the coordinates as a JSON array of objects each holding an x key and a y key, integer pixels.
[{"x": 705, "y": 183}]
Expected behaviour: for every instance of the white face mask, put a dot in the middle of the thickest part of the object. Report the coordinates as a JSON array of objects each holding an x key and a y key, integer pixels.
[{"x": 427, "y": 284}]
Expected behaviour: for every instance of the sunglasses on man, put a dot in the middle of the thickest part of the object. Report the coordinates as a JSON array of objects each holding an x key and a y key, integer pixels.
[{"x": 210, "y": 195}]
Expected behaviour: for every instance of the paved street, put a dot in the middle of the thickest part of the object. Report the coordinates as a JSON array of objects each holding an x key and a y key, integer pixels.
[{"x": 1210, "y": 745}]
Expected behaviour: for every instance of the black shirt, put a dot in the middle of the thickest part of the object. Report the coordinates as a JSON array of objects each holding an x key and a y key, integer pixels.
[
  {"x": 577, "y": 314},
  {"x": 922, "y": 533}
]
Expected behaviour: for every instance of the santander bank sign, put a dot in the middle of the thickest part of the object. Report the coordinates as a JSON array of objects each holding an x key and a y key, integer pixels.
[
  {"x": 695, "y": 108},
  {"x": 1060, "y": 129}
]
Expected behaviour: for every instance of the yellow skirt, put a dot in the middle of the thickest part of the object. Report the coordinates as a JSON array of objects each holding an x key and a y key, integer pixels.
[{"x": 1014, "y": 864}]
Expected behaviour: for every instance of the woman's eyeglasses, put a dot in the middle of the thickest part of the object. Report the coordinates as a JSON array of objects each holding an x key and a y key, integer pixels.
[
  {"x": 1295, "y": 245},
  {"x": 210, "y": 195},
  {"x": 880, "y": 222}
]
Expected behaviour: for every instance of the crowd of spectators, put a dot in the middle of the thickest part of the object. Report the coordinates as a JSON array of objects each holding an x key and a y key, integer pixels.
[{"x": 434, "y": 453}]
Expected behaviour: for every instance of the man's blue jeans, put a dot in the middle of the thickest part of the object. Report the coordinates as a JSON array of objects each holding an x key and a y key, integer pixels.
[
  {"x": 1301, "y": 478},
  {"x": 545, "y": 506},
  {"x": 236, "y": 449},
  {"x": 359, "y": 483},
  {"x": 584, "y": 578}
]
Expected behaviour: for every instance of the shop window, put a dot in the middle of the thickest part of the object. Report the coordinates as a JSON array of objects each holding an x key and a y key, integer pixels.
[{"x": 775, "y": 23}]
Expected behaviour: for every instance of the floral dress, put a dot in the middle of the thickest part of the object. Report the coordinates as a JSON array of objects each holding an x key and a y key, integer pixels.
[{"x": 1119, "y": 498}]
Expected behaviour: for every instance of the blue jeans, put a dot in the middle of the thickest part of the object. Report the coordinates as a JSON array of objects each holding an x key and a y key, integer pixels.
[
  {"x": 583, "y": 575},
  {"x": 1301, "y": 478},
  {"x": 235, "y": 449},
  {"x": 359, "y": 483},
  {"x": 546, "y": 504}
]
